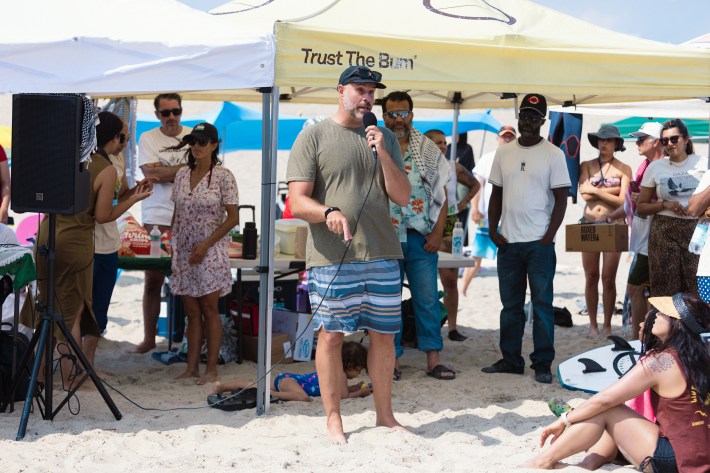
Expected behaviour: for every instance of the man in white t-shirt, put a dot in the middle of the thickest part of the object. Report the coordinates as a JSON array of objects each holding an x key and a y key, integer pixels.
[
  {"x": 530, "y": 185},
  {"x": 158, "y": 162},
  {"x": 482, "y": 246}
]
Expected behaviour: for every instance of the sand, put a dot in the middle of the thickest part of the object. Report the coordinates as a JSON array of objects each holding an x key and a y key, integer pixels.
[{"x": 478, "y": 422}]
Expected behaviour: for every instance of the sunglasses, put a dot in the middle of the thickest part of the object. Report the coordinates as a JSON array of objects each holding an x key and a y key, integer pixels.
[
  {"x": 365, "y": 73},
  {"x": 166, "y": 113},
  {"x": 673, "y": 139},
  {"x": 198, "y": 141},
  {"x": 531, "y": 117},
  {"x": 640, "y": 140},
  {"x": 400, "y": 113},
  {"x": 122, "y": 138}
]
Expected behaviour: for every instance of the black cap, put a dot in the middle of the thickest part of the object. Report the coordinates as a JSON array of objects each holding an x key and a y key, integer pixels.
[
  {"x": 535, "y": 102},
  {"x": 361, "y": 75},
  {"x": 203, "y": 130}
]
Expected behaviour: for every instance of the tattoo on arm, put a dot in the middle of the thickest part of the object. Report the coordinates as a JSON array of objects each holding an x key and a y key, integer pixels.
[{"x": 662, "y": 362}]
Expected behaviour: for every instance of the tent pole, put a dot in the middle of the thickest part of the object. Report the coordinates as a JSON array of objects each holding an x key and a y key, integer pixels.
[
  {"x": 270, "y": 113},
  {"x": 457, "y": 99}
]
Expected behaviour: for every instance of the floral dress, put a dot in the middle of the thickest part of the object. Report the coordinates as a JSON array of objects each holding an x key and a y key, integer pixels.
[{"x": 198, "y": 213}]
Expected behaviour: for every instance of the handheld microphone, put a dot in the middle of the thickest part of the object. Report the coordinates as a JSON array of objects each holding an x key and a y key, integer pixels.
[{"x": 368, "y": 119}]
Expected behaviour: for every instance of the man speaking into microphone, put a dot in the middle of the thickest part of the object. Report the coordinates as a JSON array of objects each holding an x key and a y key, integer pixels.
[{"x": 342, "y": 189}]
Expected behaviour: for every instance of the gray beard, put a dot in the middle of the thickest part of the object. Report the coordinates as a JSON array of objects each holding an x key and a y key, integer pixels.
[{"x": 402, "y": 133}]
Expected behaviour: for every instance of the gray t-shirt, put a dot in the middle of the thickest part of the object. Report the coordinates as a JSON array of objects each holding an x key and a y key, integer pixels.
[{"x": 339, "y": 162}]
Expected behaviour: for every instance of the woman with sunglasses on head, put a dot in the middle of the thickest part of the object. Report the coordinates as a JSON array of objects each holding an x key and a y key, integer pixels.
[
  {"x": 74, "y": 240},
  {"x": 671, "y": 266},
  {"x": 206, "y": 198},
  {"x": 603, "y": 183},
  {"x": 675, "y": 366}
]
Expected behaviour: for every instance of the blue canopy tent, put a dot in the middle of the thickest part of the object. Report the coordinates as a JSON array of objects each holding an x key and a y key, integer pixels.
[
  {"x": 467, "y": 122},
  {"x": 241, "y": 127}
]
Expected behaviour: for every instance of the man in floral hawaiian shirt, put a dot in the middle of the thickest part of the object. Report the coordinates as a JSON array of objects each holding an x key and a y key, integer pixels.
[{"x": 420, "y": 226}]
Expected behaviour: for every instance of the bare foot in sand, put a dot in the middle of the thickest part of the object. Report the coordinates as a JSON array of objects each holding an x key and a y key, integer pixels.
[
  {"x": 213, "y": 388},
  {"x": 143, "y": 347},
  {"x": 607, "y": 330},
  {"x": 208, "y": 377},
  {"x": 334, "y": 426},
  {"x": 394, "y": 425},
  {"x": 188, "y": 374},
  {"x": 593, "y": 332}
]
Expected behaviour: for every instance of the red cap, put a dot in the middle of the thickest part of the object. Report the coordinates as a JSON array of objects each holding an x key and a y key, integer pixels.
[{"x": 507, "y": 129}]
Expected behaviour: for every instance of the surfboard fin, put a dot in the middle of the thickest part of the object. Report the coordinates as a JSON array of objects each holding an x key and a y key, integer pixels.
[
  {"x": 591, "y": 366},
  {"x": 620, "y": 344}
]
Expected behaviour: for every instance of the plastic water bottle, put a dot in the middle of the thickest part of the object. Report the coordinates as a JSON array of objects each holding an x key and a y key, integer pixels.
[
  {"x": 155, "y": 242},
  {"x": 700, "y": 235},
  {"x": 457, "y": 239}
]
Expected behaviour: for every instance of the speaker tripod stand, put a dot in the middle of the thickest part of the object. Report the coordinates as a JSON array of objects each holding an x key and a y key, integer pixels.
[{"x": 42, "y": 338}]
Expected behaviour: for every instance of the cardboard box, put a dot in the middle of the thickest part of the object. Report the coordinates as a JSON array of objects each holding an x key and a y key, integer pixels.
[
  {"x": 597, "y": 237},
  {"x": 299, "y": 327},
  {"x": 280, "y": 345}
]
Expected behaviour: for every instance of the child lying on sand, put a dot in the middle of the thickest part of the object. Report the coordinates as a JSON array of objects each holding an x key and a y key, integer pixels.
[{"x": 303, "y": 387}]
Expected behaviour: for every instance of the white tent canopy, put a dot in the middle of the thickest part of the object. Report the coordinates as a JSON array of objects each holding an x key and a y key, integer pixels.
[
  {"x": 485, "y": 51},
  {"x": 106, "y": 48}
]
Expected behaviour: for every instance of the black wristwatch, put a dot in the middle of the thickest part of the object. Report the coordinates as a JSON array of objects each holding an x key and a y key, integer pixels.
[{"x": 329, "y": 210}]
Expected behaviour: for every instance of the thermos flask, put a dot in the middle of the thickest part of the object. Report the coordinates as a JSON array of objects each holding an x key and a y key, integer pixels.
[{"x": 249, "y": 234}]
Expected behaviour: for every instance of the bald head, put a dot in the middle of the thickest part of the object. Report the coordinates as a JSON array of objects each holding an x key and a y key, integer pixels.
[{"x": 439, "y": 139}]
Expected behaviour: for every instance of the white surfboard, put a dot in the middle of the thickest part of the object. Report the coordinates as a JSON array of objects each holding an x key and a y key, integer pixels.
[{"x": 594, "y": 370}]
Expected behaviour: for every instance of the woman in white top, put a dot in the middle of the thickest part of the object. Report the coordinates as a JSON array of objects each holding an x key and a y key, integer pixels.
[{"x": 672, "y": 267}]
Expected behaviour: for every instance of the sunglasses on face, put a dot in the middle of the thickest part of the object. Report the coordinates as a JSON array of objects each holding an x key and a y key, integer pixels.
[
  {"x": 122, "y": 138},
  {"x": 166, "y": 113},
  {"x": 531, "y": 118},
  {"x": 364, "y": 73},
  {"x": 673, "y": 139},
  {"x": 199, "y": 141},
  {"x": 400, "y": 113},
  {"x": 640, "y": 140}
]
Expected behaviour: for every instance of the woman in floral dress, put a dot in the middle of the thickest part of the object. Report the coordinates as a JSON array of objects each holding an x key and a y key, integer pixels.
[{"x": 206, "y": 198}]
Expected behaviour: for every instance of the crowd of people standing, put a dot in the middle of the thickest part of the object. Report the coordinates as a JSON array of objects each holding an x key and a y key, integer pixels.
[{"x": 380, "y": 203}]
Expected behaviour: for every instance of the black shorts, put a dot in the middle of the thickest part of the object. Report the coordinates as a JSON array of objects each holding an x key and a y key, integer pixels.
[
  {"x": 639, "y": 274},
  {"x": 663, "y": 459}
]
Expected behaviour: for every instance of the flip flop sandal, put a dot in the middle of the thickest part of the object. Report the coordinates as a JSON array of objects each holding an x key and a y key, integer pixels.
[
  {"x": 236, "y": 401},
  {"x": 438, "y": 373},
  {"x": 558, "y": 406},
  {"x": 397, "y": 374}
]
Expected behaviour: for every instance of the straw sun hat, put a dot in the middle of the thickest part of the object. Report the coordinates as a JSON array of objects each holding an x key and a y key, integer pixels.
[{"x": 675, "y": 307}]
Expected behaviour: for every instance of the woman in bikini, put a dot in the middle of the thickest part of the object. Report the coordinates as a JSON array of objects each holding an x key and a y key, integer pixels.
[{"x": 603, "y": 183}]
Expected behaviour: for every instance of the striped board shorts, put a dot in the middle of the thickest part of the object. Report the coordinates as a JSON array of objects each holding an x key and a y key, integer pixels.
[{"x": 359, "y": 296}]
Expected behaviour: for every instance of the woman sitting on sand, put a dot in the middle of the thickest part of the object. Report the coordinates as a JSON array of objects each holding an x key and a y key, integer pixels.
[
  {"x": 603, "y": 183},
  {"x": 675, "y": 365},
  {"x": 303, "y": 387}
]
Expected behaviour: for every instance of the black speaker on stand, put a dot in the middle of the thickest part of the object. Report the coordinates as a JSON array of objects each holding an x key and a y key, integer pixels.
[{"x": 48, "y": 177}]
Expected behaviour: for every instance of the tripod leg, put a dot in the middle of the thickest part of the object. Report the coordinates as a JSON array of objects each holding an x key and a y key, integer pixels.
[
  {"x": 90, "y": 370},
  {"x": 43, "y": 334}
]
